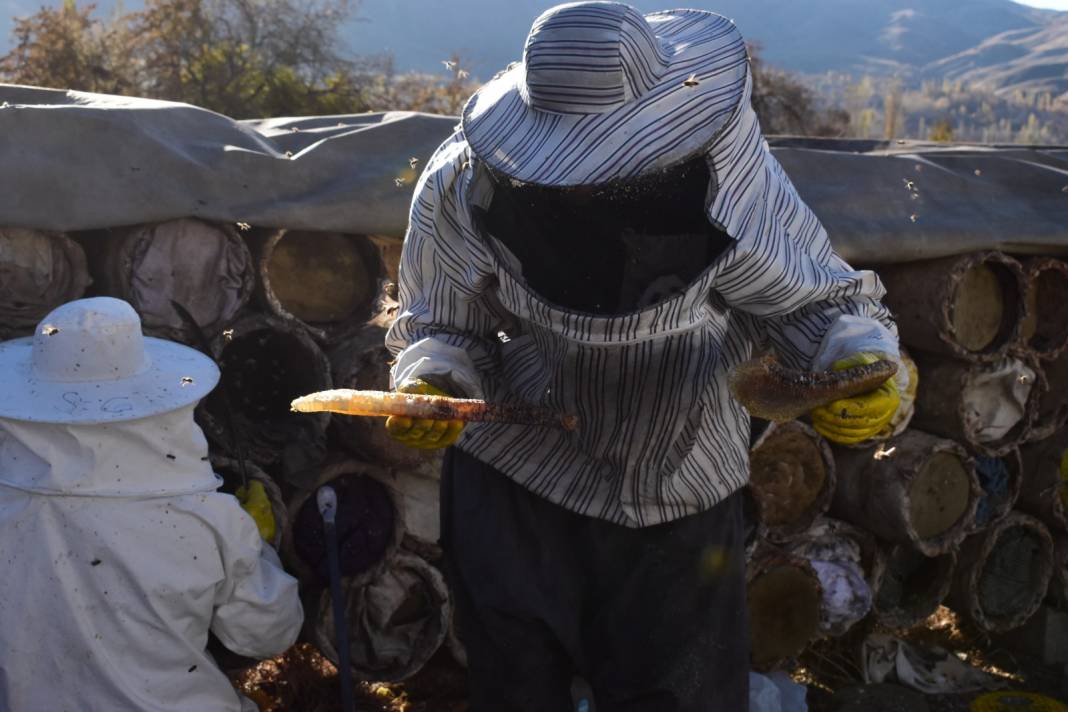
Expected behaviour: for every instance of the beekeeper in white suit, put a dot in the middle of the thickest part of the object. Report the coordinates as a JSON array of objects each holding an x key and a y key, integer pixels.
[{"x": 120, "y": 555}]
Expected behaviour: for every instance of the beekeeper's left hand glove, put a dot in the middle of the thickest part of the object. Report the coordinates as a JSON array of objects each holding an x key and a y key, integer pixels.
[
  {"x": 422, "y": 433},
  {"x": 853, "y": 420},
  {"x": 253, "y": 499}
]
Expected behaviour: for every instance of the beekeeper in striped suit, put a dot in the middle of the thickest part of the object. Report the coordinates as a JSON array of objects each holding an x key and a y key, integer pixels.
[{"x": 607, "y": 234}]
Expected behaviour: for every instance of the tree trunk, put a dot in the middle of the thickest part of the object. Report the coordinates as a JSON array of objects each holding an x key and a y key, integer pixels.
[
  {"x": 912, "y": 586},
  {"x": 791, "y": 473},
  {"x": 916, "y": 489},
  {"x": 266, "y": 363},
  {"x": 38, "y": 271},
  {"x": 784, "y": 600},
  {"x": 990, "y": 406},
  {"x": 1058, "y": 584},
  {"x": 968, "y": 306},
  {"x": 203, "y": 266},
  {"x": 390, "y": 250},
  {"x": 1044, "y": 493},
  {"x": 847, "y": 561},
  {"x": 1045, "y": 326},
  {"x": 396, "y": 622},
  {"x": 370, "y": 525},
  {"x": 1000, "y": 479},
  {"x": 1052, "y": 410},
  {"x": 327, "y": 281},
  {"x": 1003, "y": 573}
]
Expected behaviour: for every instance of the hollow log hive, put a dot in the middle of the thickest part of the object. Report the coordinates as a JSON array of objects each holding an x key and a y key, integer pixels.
[{"x": 967, "y": 503}]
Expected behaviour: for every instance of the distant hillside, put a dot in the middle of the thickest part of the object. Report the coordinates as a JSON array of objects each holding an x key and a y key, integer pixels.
[
  {"x": 965, "y": 70},
  {"x": 1033, "y": 59},
  {"x": 809, "y": 36},
  {"x": 999, "y": 43}
]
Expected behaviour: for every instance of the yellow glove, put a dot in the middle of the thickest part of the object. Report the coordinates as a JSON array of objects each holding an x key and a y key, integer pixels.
[
  {"x": 421, "y": 433},
  {"x": 253, "y": 499},
  {"x": 853, "y": 420}
]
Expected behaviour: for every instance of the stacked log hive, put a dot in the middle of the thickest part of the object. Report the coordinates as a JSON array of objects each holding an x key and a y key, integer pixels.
[
  {"x": 325, "y": 281},
  {"x": 989, "y": 334},
  {"x": 266, "y": 362},
  {"x": 792, "y": 473},
  {"x": 1004, "y": 573},
  {"x": 205, "y": 267},
  {"x": 369, "y": 524},
  {"x": 284, "y": 313},
  {"x": 784, "y": 598},
  {"x": 967, "y": 505},
  {"x": 39, "y": 270}
]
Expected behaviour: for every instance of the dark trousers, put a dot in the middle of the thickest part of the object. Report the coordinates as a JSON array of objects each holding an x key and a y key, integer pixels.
[{"x": 654, "y": 619}]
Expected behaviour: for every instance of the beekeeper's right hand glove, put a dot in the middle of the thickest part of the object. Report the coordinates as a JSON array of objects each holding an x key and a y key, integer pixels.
[
  {"x": 423, "y": 433},
  {"x": 852, "y": 420}
]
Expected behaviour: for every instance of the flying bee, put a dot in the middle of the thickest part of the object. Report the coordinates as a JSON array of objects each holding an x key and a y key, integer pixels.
[
  {"x": 399, "y": 182},
  {"x": 413, "y": 162},
  {"x": 449, "y": 64}
]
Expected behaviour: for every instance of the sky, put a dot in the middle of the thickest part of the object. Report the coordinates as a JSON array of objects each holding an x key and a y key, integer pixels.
[{"x": 1051, "y": 4}]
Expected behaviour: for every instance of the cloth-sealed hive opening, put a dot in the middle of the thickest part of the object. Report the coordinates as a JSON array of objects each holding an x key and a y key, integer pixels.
[
  {"x": 204, "y": 267},
  {"x": 983, "y": 308},
  {"x": 323, "y": 278},
  {"x": 939, "y": 495},
  {"x": 1013, "y": 573}
]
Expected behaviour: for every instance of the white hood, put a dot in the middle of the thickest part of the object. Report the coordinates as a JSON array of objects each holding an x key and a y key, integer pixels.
[
  {"x": 162, "y": 455},
  {"x": 122, "y": 558}
]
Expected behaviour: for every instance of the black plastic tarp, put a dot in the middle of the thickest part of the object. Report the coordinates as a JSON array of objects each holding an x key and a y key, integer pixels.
[{"x": 77, "y": 161}]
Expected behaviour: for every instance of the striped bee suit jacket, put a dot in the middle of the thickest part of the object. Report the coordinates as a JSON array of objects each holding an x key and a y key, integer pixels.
[{"x": 660, "y": 436}]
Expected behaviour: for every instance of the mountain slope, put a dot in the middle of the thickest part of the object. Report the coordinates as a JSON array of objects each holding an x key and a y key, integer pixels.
[
  {"x": 1034, "y": 60},
  {"x": 811, "y": 36},
  {"x": 998, "y": 43}
]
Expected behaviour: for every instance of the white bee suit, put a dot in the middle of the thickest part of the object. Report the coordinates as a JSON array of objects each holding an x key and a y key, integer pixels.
[{"x": 120, "y": 556}]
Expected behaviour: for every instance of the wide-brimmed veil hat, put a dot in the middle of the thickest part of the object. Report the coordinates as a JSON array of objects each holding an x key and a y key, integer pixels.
[
  {"x": 88, "y": 362},
  {"x": 605, "y": 93}
]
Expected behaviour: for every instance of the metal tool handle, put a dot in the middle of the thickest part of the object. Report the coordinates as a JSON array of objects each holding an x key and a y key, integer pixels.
[{"x": 326, "y": 498}]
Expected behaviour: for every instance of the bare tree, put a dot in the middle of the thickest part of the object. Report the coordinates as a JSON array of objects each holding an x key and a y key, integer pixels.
[{"x": 786, "y": 106}]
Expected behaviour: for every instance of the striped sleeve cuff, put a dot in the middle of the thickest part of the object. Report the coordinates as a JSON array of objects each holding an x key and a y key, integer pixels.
[
  {"x": 434, "y": 361},
  {"x": 850, "y": 334}
]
